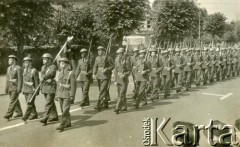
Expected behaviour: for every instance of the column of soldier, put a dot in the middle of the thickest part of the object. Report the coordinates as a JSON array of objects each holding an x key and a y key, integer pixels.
[{"x": 153, "y": 70}]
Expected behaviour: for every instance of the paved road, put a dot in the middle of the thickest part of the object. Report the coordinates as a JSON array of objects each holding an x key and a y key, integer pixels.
[{"x": 219, "y": 101}]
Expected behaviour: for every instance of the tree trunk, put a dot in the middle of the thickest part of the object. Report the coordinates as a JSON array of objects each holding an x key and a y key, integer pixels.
[{"x": 20, "y": 55}]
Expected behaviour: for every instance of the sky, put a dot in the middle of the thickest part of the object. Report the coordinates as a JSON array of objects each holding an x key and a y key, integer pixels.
[{"x": 230, "y": 8}]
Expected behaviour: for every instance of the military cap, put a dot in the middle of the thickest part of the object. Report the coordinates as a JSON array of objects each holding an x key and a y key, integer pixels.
[
  {"x": 120, "y": 50},
  {"x": 197, "y": 49},
  {"x": 152, "y": 50},
  {"x": 135, "y": 50},
  {"x": 177, "y": 50},
  {"x": 183, "y": 49},
  {"x": 101, "y": 47},
  {"x": 27, "y": 59},
  {"x": 63, "y": 59},
  {"x": 83, "y": 50},
  {"x": 142, "y": 51},
  {"x": 165, "y": 51},
  {"x": 205, "y": 49},
  {"x": 12, "y": 56},
  {"x": 47, "y": 55}
]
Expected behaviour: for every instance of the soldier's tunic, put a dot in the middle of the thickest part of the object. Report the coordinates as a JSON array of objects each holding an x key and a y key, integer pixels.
[
  {"x": 13, "y": 88},
  {"x": 84, "y": 70},
  {"x": 205, "y": 63},
  {"x": 66, "y": 89},
  {"x": 234, "y": 64},
  {"x": 103, "y": 78},
  {"x": 229, "y": 64},
  {"x": 157, "y": 66},
  {"x": 48, "y": 89},
  {"x": 30, "y": 84},
  {"x": 197, "y": 68},
  {"x": 133, "y": 60},
  {"x": 212, "y": 67},
  {"x": 178, "y": 71},
  {"x": 121, "y": 72},
  {"x": 141, "y": 80},
  {"x": 223, "y": 60},
  {"x": 188, "y": 70},
  {"x": 167, "y": 74},
  {"x": 217, "y": 66}
]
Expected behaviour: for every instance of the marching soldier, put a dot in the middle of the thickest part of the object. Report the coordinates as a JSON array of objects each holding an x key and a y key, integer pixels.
[
  {"x": 48, "y": 89},
  {"x": 66, "y": 89},
  {"x": 168, "y": 66},
  {"x": 188, "y": 69},
  {"x": 234, "y": 63},
  {"x": 156, "y": 65},
  {"x": 229, "y": 62},
  {"x": 178, "y": 70},
  {"x": 143, "y": 68},
  {"x": 133, "y": 64},
  {"x": 205, "y": 64},
  {"x": 13, "y": 87},
  {"x": 121, "y": 72},
  {"x": 102, "y": 71},
  {"x": 217, "y": 64},
  {"x": 211, "y": 66},
  {"x": 223, "y": 60},
  {"x": 173, "y": 57},
  {"x": 30, "y": 84},
  {"x": 84, "y": 68},
  {"x": 197, "y": 67}
]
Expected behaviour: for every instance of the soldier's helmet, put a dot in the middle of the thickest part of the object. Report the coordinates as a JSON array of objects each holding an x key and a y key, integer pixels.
[
  {"x": 63, "y": 59},
  {"x": 177, "y": 50},
  {"x": 165, "y": 51},
  {"x": 120, "y": 50},
  {"x": 47, "y": 55},
  {"x": 83, "y": 50},
  {"x": 13, "y": 57},
  {"x": 142, "y": 51},
  {"x": 205, "y": 49},
  {"x": 135, "y": 50},
  {"x": 27, "y": 59},
  {"x": 100, "y": 48},
  {"x": 152, "y": 50}
]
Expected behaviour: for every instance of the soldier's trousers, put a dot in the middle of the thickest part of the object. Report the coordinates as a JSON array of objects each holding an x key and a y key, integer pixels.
[
  {"x": 14, "y": 104},
  {"x": 229, "y": 70},
  {"x": 31, "y": 108},
  {"x": 50, "y": 107},
  {"x": 211, "y": 72},
  {"x": 217, "y": 72},
  {"x": 155, "y": 82},
  {"x": 234, "y": 69},
  {"x": 122, "y": 102},
  {"x": 197, "y": 76},
  {"x": 103, "y": 92},
  {"x": 85, "y": 85},
  {"x": 65, "y": 108},
  {"x": 166, "y": 82},
  {"x": 205, "y": 75},
  {"x": 134, "y": 82},
  {"x": 140, "y": 92},
  {"x": 178, "y": 80},
  {"x": 223, "y": 72},
  {"x": 187, "y": 75}
]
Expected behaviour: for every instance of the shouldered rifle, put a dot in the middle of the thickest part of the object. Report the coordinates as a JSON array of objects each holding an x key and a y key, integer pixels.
[
  {"x": 107, "y": 51},
  {"x": 88, "y": 55},
  {"x": 37, "y": 89}
]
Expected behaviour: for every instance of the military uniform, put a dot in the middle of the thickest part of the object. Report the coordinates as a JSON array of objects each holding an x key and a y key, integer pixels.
[
  {"x": 48, "y": 89},
  {"x": 121, "y": 72},
  {"x": 133, "y": 60},
  {"x": 188, "y": 70},
  {"x": 217, "y": 66},
  {"x": 141, "y": 81},
  {"x": 156, "y": 65},
  {"x": 178, "y": 71},
  {"x": 13, "y": 88},
  {"x": 198, "y": 68},
  {"x": 205, "y": 64},
  {"x": 229, "y": 64},
  {"x": 223, "y": 60},
  {"x": 168, "y": 66},
  {"x": 84, "y": 70},
  {"x": 66, "y": 89},
  {"x": 30, "y": 84},
  {"x": 211, "y": 66},
  {"x": 103, "y": 63}
]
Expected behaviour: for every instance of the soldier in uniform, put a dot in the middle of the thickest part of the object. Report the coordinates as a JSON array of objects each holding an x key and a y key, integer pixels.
[
  {"x": 48, "y": 89},
  {"x": 217, "y": 64},
  {"x": 172, "y": 55},
  {"x": 102, "y": 71},
  {"x": 197, "y": 67},
  {"x": 223, "y": 60},
  {"x": 143, "y": 68},
  {"x": 66, "y": 89},
  {"x": 30, "y": 85},
  {"x": 205, "y": 64},
  {"x": 133, "y": 65},
  {"x": 188, "y": 69},
  {"x": 13, "y": 87},
  {"x": 156, "y": 65},
  {"x": 121, "y": 72},
  {"x": 178, "y": 70},
  {"x": 84, "y": 68},
  {"x": 168, "y": 66},
  {"x": 229, "y": 62},
  {"x": 211, "y": 66},
  {"x": 234, "y": 63}
]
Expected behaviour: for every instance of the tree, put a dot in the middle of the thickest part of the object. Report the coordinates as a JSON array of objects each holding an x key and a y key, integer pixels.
[
  {"x": 215, "y": 24},
  {"x": 175, "y": 19},
  {"x": 23, "y": 22}
]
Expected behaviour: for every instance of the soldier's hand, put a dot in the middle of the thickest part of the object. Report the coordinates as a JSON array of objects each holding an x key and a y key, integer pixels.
[
  {"x": 56, "y": 98},
  {"x": 168, "y": 69},
  {"x": 71, "y": 99},
  {"x": 94, "y": 77},
  {"x": 104, "y": 70},
  {"x": 115, "y": 83},
  {"x": 69, "y": 38},
  {"x": 143, "y": 72}
]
